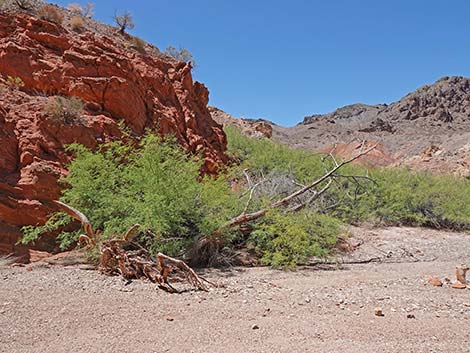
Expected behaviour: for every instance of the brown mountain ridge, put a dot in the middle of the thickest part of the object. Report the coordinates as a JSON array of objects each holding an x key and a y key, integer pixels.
[{"x": 427, "y": 129}]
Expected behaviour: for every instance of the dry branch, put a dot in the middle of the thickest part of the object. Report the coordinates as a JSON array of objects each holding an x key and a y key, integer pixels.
[
  {"x": 248, "y": 217},
  {"x": 89, "y": 238},
  {"x": 133, "y": 264},
  {"x": 138, "y": 264}
]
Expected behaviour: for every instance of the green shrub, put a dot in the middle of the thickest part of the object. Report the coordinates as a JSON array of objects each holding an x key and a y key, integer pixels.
[
  {"x": 289, "y": 239},
  {"x": 397, "y": 197},
  {"x": 66, "y": 109},
  {"x": 14, "y": 82},
  {"x": 54, "y": 224},
  {"x": 262, "y": 156},
  {"x": 154, "y": 184},
  {"x": 181, "y": 54},
  {"x": 158, "y": 185}
]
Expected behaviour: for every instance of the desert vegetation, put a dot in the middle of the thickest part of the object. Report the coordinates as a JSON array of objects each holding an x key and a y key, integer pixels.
[
  {"x": 82, "y": 10},
  {"x": 383, "y": 196},
  {"x": 65, "y": 109},
  {"x": 124, "y": 21},
  {"x": 14, "y": 82},
  {"x": 180, "y": 54},
  {"x": 158, "y": 185},
  {"x": 50, "y": 13}
]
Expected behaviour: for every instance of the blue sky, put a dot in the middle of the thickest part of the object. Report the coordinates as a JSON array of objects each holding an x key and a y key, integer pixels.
[{"x": 282, "y": 60}]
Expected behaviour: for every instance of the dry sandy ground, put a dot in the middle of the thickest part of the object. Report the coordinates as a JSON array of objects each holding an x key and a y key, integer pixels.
[{"x": 327, "y": 309}]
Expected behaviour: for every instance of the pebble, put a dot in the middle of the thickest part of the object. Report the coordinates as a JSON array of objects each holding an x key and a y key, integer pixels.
[
  {"x": 436, "y": 282},
  {"x": 255, "y": 327},
  {"x": 378, "y": 312}
]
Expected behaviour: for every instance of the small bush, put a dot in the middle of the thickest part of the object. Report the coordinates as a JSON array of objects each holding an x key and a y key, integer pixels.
[
  {"x": 124, "y": 22},
  {"x": 180, "y": 54},
  {"x": 84, "y": 11},
  {"x": 138, "y": 44},
  {"x": 77, "y": 23},
  {"x": 24, "y": 4},
  {"x": 14, "y": 82},
  {"x": 65, "y": 109},
  {"x": 56, "y": 222},
  {"x": 51, "y": 13}
]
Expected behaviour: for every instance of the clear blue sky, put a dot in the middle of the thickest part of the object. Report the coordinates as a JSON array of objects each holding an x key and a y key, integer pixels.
[{"x": 282, "y": 60}]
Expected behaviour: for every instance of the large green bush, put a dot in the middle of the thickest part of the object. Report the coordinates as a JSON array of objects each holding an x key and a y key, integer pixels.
[
  {"x": 396, "y": 197},
  {"x": 155, "y": 184}
]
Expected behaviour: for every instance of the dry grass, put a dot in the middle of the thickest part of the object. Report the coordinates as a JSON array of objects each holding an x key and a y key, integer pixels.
[
  {"x": 51, "y": 13},
  {"x": 77, "y": 23}
]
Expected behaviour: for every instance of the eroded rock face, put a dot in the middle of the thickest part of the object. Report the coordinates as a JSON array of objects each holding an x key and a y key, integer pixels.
[{"x": 117, "y": 84}]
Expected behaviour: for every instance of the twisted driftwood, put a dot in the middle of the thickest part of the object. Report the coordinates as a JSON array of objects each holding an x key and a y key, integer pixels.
[{"x": 129, "y": 259}]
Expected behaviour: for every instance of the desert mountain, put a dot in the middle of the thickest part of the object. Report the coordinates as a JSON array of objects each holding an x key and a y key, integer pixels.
[{"x": 427, "y": 129}]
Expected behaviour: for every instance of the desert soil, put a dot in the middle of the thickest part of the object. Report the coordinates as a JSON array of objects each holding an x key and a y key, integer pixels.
[{"x": 323, "y": 308}]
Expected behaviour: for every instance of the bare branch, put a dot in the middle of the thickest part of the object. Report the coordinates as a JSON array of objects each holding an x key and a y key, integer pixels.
[
  {"x": 76, "y": 214},
  {"x": 247, "y": 177},
  {"x": 244, "y": 218},
  {"x": 315, "y": 196}
]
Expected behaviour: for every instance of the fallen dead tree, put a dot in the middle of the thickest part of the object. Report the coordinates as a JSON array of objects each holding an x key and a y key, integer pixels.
[
  {"x": 129, "y": 259},
  {"x": 206, "y": 249}
]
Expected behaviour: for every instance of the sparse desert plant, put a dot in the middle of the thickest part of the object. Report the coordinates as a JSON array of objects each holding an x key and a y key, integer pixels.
[
  {"x": 14, "y": 82},
  {"x": 66, "y": 109},
  {"x": 77, "y": 23},
  {"x": 124, "y": 21},
  {"x": 138, "y": 44},
  {"x": 181, "y": 54},
  {"x": 82, "y": 10},
  {"x": 51, "y": 13},
  {"x": 24, "y": 4}
]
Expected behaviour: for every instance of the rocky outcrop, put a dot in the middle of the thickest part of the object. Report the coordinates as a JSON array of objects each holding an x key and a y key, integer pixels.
[
  {"x": 258, "y": 128},
  {"x": 145, "y": 91}
]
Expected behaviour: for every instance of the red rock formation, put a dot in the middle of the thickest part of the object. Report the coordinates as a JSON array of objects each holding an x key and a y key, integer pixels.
[
  {"x": 376, "y": 157},
  {"x": 145, "y": 91}
]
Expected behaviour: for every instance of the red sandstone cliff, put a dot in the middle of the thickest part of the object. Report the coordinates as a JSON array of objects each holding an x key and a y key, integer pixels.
[{"x": 147, "y": 91}]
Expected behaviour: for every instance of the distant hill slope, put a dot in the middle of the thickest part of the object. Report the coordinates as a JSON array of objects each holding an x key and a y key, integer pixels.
[{"x": 427, "y": 129}]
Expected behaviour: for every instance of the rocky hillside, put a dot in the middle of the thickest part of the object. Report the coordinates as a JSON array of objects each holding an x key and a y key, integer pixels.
[
  {"x": 41, "y": 59},
  {"x": 427, "y": 129}
]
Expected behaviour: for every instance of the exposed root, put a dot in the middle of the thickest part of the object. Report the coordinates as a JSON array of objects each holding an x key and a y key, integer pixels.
[
  {"x": 461, "y": 273},
  {"x": 138, "y": 264}
]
